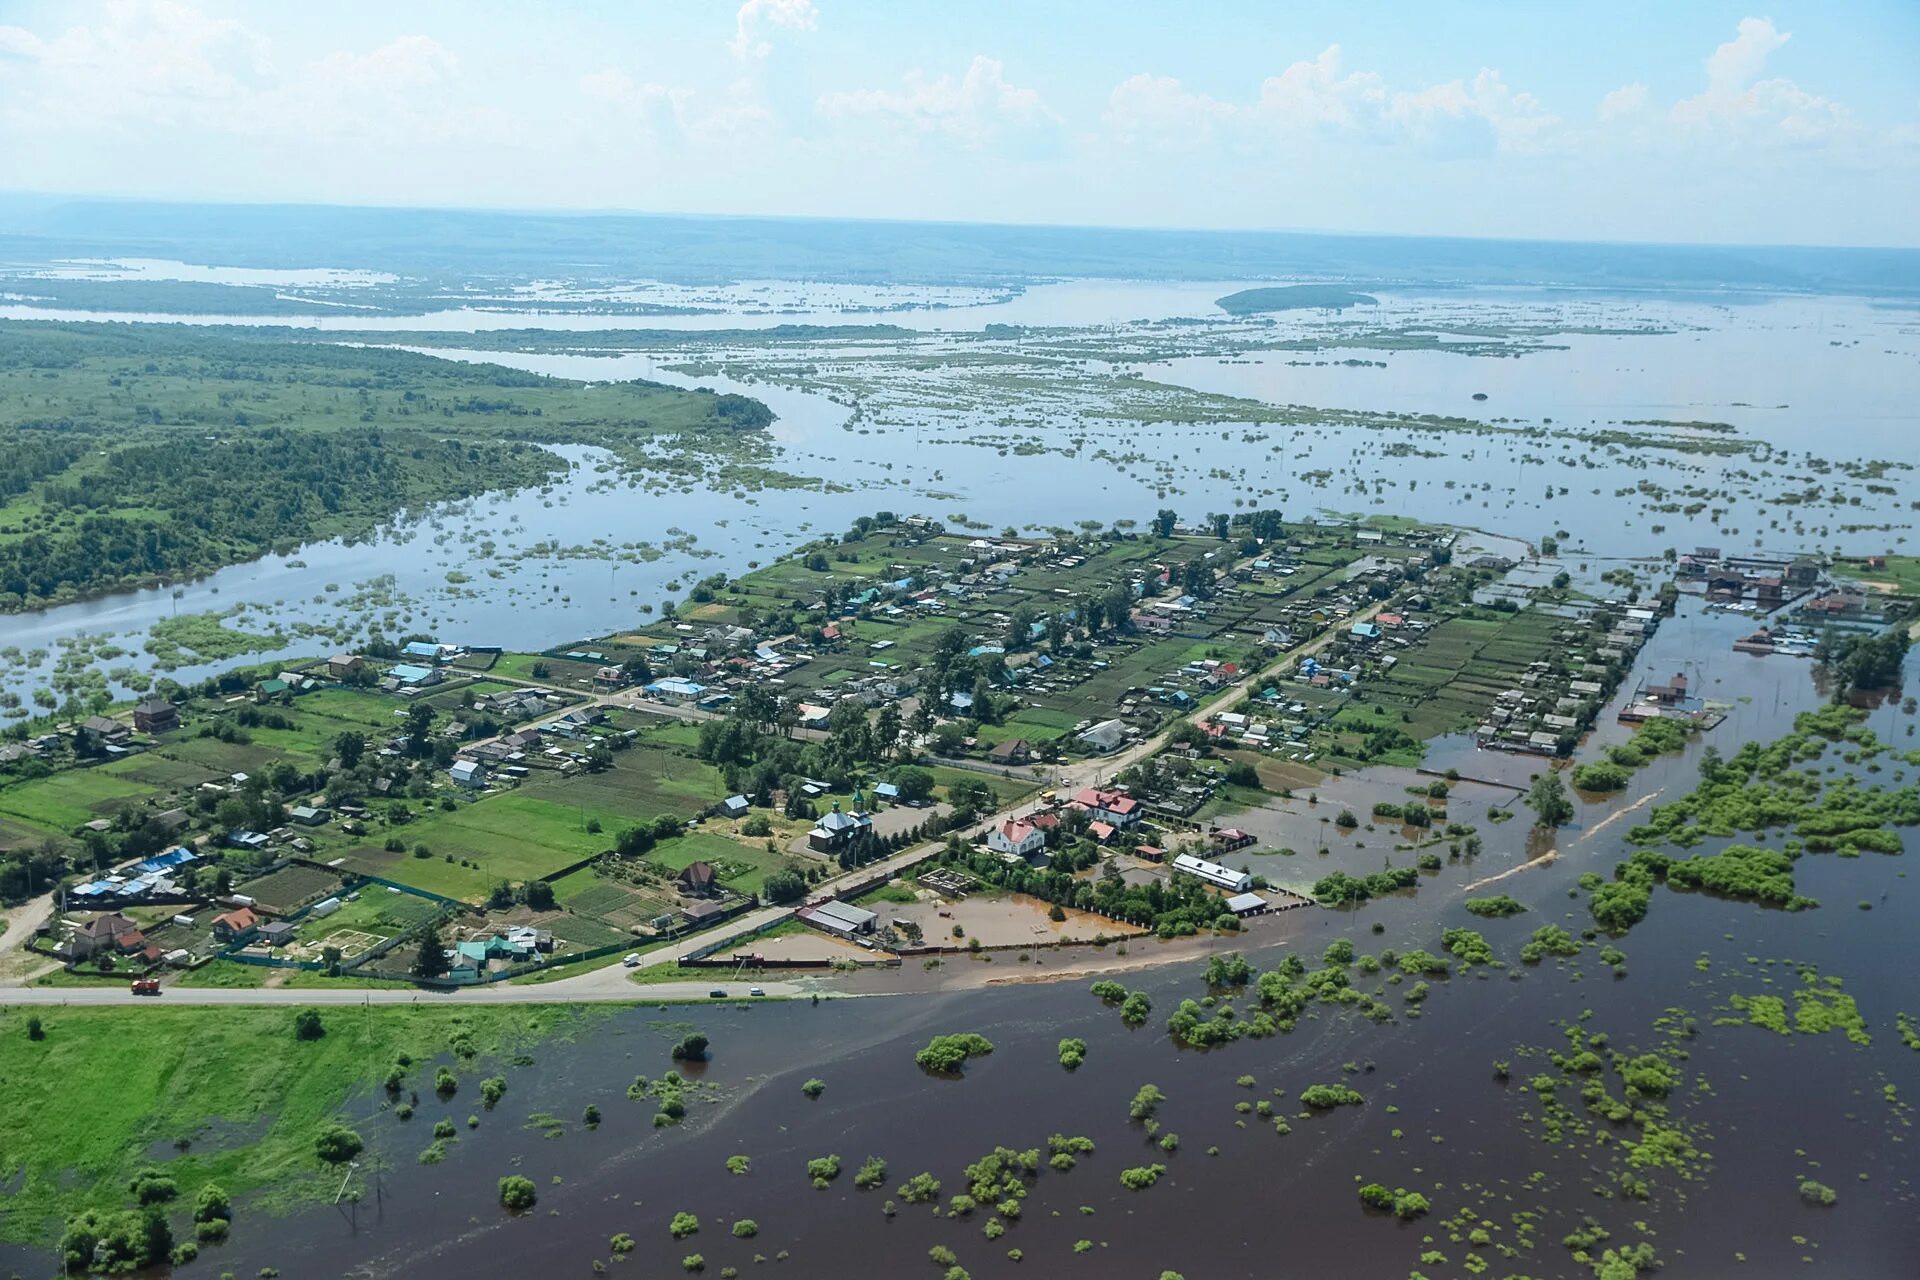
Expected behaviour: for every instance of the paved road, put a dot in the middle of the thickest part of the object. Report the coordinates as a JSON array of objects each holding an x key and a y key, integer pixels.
[
  {"x": 612, "y": 986},
  {"x": 613, "y": 983}
]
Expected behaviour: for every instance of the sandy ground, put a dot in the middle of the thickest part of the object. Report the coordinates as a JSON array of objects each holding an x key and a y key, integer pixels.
[
  {"x": 1000, "y": 921},
  {"x": 811, "y": 945}
]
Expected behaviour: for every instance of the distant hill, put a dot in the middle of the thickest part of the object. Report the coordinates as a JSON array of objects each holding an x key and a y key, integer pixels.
[
  {"x": 466, "y": 244},
  {"x": 1292, "y": 297}
]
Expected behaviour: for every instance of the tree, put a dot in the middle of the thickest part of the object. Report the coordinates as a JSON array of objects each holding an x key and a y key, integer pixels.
[
  {"x": 785, "y": 885},
  {"x": 306, "y": 1025},
  {"x": 692, "y": 1048},
  {"x": 431, "y": 960},
  {"x": 1549, "y": 802},
  {"x": 517, "y": 1193},
  {"x": 914, "y": 783},
  {"x": 1163, "y": 523},
  {"x": 337, "y": 1144}
]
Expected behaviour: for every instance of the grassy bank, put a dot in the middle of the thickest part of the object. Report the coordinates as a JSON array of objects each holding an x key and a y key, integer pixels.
[{"x": 91, "y": 1103}]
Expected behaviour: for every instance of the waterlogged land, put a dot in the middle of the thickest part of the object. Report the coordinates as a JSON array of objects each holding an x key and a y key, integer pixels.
[{"x": 1667, "y": 1034}]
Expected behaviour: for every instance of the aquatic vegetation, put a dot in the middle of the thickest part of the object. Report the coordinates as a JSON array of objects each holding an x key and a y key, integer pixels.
[
  {"x": 946, "y": 1054},
  {"x": 1325, "y": 1097},
  {"x": 1399, "y": 1202},
  {"x": 1141, "y": 1177}
]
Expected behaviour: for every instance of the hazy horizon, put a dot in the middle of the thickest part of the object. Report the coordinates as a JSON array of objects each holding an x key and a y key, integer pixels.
[{"x": 1618, "y": 123}]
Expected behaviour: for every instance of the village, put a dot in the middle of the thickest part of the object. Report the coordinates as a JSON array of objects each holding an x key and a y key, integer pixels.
[{"x": 901, "y": 740}]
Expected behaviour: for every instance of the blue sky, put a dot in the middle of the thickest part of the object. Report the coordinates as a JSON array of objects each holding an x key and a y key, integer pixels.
[{"x": 1675, "y": 121}]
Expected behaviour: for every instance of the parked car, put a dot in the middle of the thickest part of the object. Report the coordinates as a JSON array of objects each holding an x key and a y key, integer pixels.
[
  {"x": 632, "y": 961},
  {"x": 717, "y": 994},
  {"x": 756, "y": 991}
]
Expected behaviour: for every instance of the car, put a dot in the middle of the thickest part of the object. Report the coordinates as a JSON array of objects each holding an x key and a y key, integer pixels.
[
  {"x": 632, "y": 961},
  {"x": 146, "y": 986},
  {"x": 717, "y": 994},
  {"x": 756, "y": 991}
]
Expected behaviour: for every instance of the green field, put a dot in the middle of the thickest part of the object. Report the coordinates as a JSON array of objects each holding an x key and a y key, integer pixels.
[
  {"x": 512, "y": 837},
  {"x": 84, "y": 1108}
]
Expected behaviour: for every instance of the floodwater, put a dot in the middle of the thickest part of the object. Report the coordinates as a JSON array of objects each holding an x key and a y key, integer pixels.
[
  {"x": 1772, "y": 1110},
  {"x": 1801, "y": 373}
]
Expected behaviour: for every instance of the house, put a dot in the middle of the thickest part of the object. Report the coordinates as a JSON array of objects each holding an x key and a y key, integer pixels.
[
  {"x": 155, "y": 716},
  {"x": 407, "y": 675},
  {"x": 101, "y": 935},
  {"x": 277, "y": 933},
  {"x": 701, "y": 911},
  {"x": 1012, "y": 751},
  {"x": 609, "y": 677},
  {"x": 1017, "y": 837},
  {"x": 1105, "y": 736},
  {"x": 696, "y": 880},
  {"x": 887, "y": 791},
  {"x": 251, "y": 841},
  {"x": 237, "y": 925},
  {"x": 1364, "y": 631},
  {"x": 1669, "y": 694},
  {"x": 172, "y": 821},
  {"x": 836, "y": 829},
  {"x": 1213, "y": 873},
  {"x": 676, "y": 690},
  {"x": 469, "y": 774},
  {"x": 1115, "y": 807},
  {"x": 342, "y": 665},
  {"x": 841, "y": 918},
  {"x": 104, "y": 731},
  {"x": 1227, "y": 839},
  {"x": 1101, "y": 831},
  {"x": 428, "y": 651},
  {"x": 308, "y": 815},
  {"x": 735, "y": 807}
]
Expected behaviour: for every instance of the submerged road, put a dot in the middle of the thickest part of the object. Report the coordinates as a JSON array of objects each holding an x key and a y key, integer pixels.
[{"x": 615, "y": 982}]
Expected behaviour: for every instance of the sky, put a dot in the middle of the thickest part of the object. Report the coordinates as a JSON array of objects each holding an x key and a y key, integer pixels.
[{"x": 1663, "y": 120}]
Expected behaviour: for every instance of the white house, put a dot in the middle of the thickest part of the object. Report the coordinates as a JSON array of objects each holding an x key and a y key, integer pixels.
[
  {"x": 1213, "y": 873},
  {"x": 1017, "y": 837},
  {"x": 468, "y": 773}
]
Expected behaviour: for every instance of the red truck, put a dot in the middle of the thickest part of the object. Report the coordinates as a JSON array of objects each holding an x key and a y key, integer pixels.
[{"x": 146, "y": 986}]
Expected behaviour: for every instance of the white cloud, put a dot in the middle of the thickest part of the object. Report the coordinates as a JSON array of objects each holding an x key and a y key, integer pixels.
[
  {"x": 1744, "y": 57},
  {"x": 755, "y": 17},
  {"x": 978, "y": 109},
  {"x": 1736, "y": 106},
  {"x": 1160, "y": 111},
  {"x": 1627, "y": 100},
  {"x": 1318, "y": 98}
]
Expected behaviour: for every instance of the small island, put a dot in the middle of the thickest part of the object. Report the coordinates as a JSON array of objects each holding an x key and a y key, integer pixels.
[{"x": 1293, "y": 297}]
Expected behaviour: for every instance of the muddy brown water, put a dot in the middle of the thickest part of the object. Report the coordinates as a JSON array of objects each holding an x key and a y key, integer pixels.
[{"x": 1774, "y": 1110}]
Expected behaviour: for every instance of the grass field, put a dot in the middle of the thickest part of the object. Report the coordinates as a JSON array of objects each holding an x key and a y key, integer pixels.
[
  {"x": 643, "y": 783},
  {"x": 512, "y": 837},
  {"x": 58, "y": 803},
  {"x": 83, "y": 1107}
]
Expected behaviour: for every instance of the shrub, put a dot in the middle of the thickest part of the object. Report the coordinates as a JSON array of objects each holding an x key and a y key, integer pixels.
[
  {"x": 823, "y": 1169},
  {"x": 492, "y": 1089},
  {"x": 517, "y": 1193},
  {"x": 945, "y": 1054},
  {"x": 691, "y": 1049},
  {"x": 1817, "y": 1192},
  {"x": 1146, "y": 1101},
  {"x": 921, "y": 1188},
  {"x": 306, "y": 1025},
  {"x": 814, "y": 1088},
  {"x": 739, "y": 1165},
  {"x": 1141, "y": 1177},
  {"x": 622, "y": 1243},
  {"x": 746, "y": 1228},
  {"x": 1324, "y": 1097},
  {"x": 1495, "y": 907},
  {"x": 337, "y": 1144},
  {"x": 683, "y": 1225},
  {"x": 871, "y": 1173},
  {"x": 1073, "y": 1052}
]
